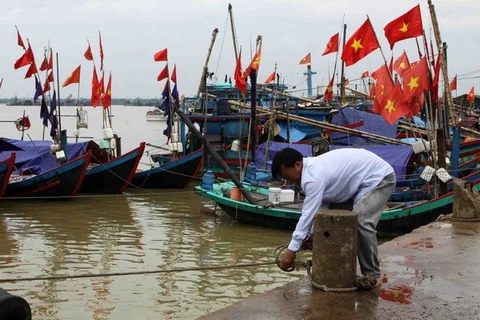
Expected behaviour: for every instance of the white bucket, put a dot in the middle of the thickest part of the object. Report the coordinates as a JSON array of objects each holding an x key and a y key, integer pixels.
[{"x": 274, "y": 195}]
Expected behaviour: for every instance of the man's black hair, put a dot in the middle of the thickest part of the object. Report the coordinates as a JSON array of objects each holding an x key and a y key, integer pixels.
[{"x": 287, "y": 157}]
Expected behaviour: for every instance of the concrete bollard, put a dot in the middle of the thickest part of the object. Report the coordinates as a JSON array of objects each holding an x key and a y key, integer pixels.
[
  {"x": 466, "y": 201},
  {"x": 334, "y": 252}
]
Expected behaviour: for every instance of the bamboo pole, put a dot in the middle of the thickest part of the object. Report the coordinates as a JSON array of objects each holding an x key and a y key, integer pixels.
[{"x": 330, "y": 126}]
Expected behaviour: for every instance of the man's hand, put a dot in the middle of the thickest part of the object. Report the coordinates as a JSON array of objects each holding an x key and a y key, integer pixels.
[{"x": 288, "y": 260}]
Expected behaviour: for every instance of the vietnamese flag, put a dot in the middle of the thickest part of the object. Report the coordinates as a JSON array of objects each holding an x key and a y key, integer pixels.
[
  {"x": 73, "y": 77},
  {"x": 96, "y": 91},
  {"x": 471, "y": 95},
  {"x": 255, "y": 63},
  {"x": 365, "y": 74},
  {"x": 161, "y": 55},
  {"x": 328, "y": 95},
  {"x": 26, "y": 59},
  {"x": 332, "y": 45},
  {"x": 453, "y": 84},
  {"x": 88, "y": 53},
  {"x": 408, "y": 25},
  {"x": 240, "y": 81},
  {"x": 163, "y": 74},
  {"x": 306, "y": 59},
  {"x": 401, "y": 64},
  {"x": 271, "y": 77},
  {"x": 393, "y": 106},
  {"x": 360, "y": 44},
  {"x": 107, "y": 97},
  {"x": 415, "y": 80},
  {"x": 383, "y": 84}
]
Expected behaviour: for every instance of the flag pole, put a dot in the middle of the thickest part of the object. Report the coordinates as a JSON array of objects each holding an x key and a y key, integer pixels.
[
  {"x": 380, "y": 47},
  {"x": 342, "y": 76}
]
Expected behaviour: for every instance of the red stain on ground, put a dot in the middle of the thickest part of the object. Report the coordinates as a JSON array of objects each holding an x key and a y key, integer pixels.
[
  {"x": 399, "y": 294},
  {"x": 422, "y": 243}
]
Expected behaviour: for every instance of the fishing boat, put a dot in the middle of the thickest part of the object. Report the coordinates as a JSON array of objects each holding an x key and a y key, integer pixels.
[
  {"x": 172, "y": 174},
  {"x": 63, "y": 181},
  {"x": 114, "y": 176},
  {"x": 155, "y": 115},
  {"x": 6, "y": 168},
  {"x": 398, "y": 218}
]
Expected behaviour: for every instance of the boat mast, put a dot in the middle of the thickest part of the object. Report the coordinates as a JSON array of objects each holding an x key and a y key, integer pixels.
[
  {"x": 234, "y": 35},
  {"x": 443, "y": 64},
  {"x": 205, "y": 66},
  {"x": 342, "y": 77}
]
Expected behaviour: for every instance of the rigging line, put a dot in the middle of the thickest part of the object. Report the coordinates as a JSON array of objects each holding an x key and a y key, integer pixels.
[
  {"x": 117, "y": 274},
  {"x": 221, "y": 47}
]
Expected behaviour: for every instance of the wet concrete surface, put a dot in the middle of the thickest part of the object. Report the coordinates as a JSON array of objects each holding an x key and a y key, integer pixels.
[{"x": 431, "y": 273}]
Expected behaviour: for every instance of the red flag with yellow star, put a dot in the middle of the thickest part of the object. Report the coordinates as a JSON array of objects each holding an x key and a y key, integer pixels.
[
  {"x": 383, "y": 84},
  {"x": 107, "y": 97},
  {"x": 255, "y": 63},
  {"x": 73, "y": 77},
  {"x": 393, "y": 106},
  {"x": 408, "y": 25},
  {"x": 360, "y": 44},
  {"x": 306, "y": 59},
  {"x": 415, "y": 80},
  {"x": 471, "y": 95},
  {"x": 401, "y": 64},
  {"x": 240, "y": 81},
  {"x": 332, "y": 45},
  {"x": 328, "y": 95}
]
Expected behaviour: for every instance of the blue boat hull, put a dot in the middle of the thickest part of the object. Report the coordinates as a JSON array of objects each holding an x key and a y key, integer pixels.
[
  {"x": 61, "y": 182},
  {"x": 175, "y": 174},
  {"x": 114, "y": 176}
]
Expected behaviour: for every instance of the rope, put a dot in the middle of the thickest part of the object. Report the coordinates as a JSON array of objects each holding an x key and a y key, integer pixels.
[
  {"x": 361, "y": 283},
  {"x": 117, "y": 274}
]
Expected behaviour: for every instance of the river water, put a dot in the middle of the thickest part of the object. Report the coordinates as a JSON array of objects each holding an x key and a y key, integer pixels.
[{"x": 161, "y": 234}]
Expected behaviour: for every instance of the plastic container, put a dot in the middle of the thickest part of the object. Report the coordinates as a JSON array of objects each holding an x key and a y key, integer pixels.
[
  {"x": 107, "y": 133},
  {"x": 235, "y": 146},
  {"x": 207, "y": 180},
  {"x": 274, "y": 195},
  {"x": 287, "y": 195},
  {"x": 235, "y": 194}
]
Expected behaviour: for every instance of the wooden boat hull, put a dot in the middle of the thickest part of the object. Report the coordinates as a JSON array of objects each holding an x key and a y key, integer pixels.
[
  {"x": 175, "y": 174},
  {"x": 113, "y": 177},
  {"x": 61, "y": 182},
  {"x": 6, "y": 168}
]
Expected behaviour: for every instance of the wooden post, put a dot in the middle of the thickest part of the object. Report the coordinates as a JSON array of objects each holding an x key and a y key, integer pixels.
[{"x": 334, "y": 255}]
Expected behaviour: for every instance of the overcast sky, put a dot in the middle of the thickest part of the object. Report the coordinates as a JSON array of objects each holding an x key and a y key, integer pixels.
[{"x": 132, "y": 31}]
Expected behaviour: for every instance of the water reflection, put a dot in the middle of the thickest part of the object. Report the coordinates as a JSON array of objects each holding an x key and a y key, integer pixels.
[{"x": 139, "y": 231}]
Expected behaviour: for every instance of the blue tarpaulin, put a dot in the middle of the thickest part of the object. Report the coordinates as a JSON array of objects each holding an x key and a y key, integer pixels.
[
  {"x": 36, "y": 157},
  {"x": 396, "y": 156},
  {"x": 373, "y": 123}
]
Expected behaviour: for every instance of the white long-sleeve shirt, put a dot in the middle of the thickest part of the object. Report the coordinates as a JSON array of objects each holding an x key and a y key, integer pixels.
[{"x": 335, "y": 177}]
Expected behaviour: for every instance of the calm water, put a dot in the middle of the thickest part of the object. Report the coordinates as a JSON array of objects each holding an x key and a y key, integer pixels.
[{"x": 142, "y": 230}]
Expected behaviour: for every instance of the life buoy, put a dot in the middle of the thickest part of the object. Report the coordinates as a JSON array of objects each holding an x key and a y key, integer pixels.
[{"x": 23, "y": 124}]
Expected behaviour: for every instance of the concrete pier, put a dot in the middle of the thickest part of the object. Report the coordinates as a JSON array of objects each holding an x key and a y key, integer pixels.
[{"x": 431, "y": 273}]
